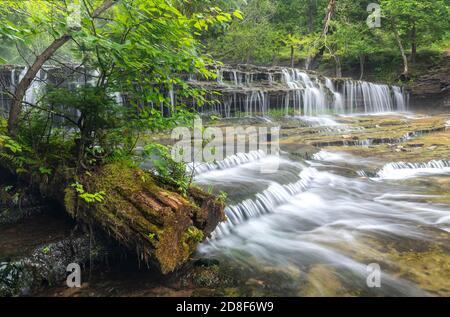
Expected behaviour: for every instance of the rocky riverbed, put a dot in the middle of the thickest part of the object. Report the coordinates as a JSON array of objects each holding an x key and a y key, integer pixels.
[{"x": 340, "y": 201}]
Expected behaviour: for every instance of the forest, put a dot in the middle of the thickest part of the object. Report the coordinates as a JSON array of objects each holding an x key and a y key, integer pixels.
[{"x": 249, "y": 148}]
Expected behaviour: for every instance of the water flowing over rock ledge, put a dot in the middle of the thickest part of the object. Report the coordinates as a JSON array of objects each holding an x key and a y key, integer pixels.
[
  {"x": 249, "y": 90},
  {"x": 244, "y": 90}
]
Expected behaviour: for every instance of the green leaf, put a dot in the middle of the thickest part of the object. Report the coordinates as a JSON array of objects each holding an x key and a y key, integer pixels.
[{"x": 238, "y": 14}]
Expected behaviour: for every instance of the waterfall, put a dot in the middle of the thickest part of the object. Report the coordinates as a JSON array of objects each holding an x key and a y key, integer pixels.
[
  {"x": 264, "y": 202},
  {"x": 256, "y": 91},
  {"x": 36, "y": 86},
  {"x": 402, "y": 170},
  {"x": 338, "y": 104},
  {"x": 172, "y": 98},
  {"x": 220, "y": 76},
  {"x": 228, "y": 162},
  {"x": 306, "y": 94},
  {"x": 401, "y": 99}
]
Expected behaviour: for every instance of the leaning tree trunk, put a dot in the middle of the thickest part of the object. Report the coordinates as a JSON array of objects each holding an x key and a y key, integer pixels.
[
  {"x": 405, "y": 74},
  {"x": 326, "y": 29},
  {"x": 24, "y": 85},
  {"x": 158, "y": 223},
  {"x": 327, "y": 20}
]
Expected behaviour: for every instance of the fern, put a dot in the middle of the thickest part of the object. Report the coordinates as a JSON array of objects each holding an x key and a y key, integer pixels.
[{"x": 89, "y": 198}]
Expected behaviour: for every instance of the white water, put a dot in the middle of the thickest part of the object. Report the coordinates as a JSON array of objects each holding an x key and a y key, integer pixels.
[
  {"x": 294, "y": 91},
  {"x": 228, "y": 162},
  {"x": 305, "y": 216},
  {"x": 264, "y": 202},
  {"x": 401, "y": 170},
  {"x": 35, "y": 90},
  {"x": 305, "y": 95},
  {"x": 341, "y": 157}
]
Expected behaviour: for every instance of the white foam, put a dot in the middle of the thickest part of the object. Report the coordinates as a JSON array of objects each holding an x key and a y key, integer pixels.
[
  {"x": 228, "y": 162},
  {"x": 402, "y": 170}
]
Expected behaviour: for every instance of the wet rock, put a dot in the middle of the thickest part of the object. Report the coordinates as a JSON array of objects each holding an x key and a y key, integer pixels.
[
  {"x": 415, "y": 145},
  {"x": 48, "y": 263},
  {"x": 433, "y": 87},
  {"x": 206, "y": 262},
  {"x": 215, "y": 277},
  {"x": 255, "y": 283},
  {"x": 322, "y": 280},
  {"x": 17, "y": 204}
]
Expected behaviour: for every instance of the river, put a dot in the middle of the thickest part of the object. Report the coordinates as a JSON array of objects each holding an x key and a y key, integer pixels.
[{"x": 315, "y": 226}]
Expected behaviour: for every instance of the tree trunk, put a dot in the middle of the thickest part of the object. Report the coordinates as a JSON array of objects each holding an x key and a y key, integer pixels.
[
  {"x": 338, "y": 67},
  {"x": 311, "y": 15},
  {"x": 405, "y": 74},
  {"x": 413, "y": 44},
  {"x": 326, "y": 29},
  {"x": 362, "y": 61},
  {"x": 24, "y": 85},
  {"x": 312, "y": 8},
  {"x": 292, "y": 56},
  {"x": 327, "y": 20},
  {"x": 160, "y": 225}
]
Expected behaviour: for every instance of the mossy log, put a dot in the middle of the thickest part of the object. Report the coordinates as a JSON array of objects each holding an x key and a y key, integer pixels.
[{"x": 163, "y": 226}]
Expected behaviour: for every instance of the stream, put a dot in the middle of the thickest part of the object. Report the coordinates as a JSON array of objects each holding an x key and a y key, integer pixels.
[{"x": 313, "y": 227}]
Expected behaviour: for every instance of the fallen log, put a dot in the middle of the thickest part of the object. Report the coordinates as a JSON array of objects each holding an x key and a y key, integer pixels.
[{"x": 162, "y": 226}]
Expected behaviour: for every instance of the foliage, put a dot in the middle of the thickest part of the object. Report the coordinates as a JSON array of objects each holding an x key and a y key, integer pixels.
[
  {"x": 271, "y": 28},
  {"x": 89, "y": 198},
  {"x": 222, "y": 197},
  {"x": 166, "y": 168},
  {"x": 195, "y": 235},
  {"x": 11, "y": 151},
  {"x": 141, "y": 48}
]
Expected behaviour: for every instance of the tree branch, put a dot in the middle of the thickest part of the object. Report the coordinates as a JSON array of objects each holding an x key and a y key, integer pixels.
[{"x": 22, "y": 87}]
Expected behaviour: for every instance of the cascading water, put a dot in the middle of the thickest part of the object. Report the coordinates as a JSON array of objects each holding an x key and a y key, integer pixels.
[
  {"x": 313, "y": 223},
  {"x": 338, "y": 104},
  {"x": 258, "y": 91},
  {"x": 401, "y": 170},
  {"x": 301, "y": 93},
  {"x": 229, "y": 162},
  {"x": 37, "y": 85},
  {"x": 264, "y": 203}
]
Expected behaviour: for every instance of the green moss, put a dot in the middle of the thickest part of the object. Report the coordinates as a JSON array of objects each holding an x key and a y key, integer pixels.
[
  {"x": 195, "y": 235},
  {"x": 232, "y": 292},
  {"x": 155, "y": 221},
  {"x": 70, "y": 199}
]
